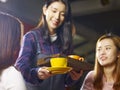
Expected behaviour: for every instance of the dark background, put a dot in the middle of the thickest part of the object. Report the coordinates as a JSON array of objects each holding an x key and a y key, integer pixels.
[{"x": 92, "y": 18}]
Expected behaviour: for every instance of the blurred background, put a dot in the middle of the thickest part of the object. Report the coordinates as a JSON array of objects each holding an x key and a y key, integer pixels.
[{"x": 92, "y": 18}]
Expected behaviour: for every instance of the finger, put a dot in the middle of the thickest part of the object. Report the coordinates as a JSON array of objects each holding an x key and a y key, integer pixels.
[{"x": 43, "y": 73}]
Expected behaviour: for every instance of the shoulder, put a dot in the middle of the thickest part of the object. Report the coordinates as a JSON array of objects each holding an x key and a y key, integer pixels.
[
  {"x": 11, "y": 71},
  {"x": 90, "y": 76},
  {"x": 90, "y": 73},
  {"x": 29, "y": 34},
  {"x": 10, "y": 78},
  {"x": 88, "y": 81}
]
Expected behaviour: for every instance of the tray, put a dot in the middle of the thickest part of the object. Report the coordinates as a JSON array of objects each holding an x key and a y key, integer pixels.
[{"x": 78, "y": 65}]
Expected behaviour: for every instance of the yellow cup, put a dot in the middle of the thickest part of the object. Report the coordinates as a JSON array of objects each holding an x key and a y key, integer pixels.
[{"x": 58, "y": 62}]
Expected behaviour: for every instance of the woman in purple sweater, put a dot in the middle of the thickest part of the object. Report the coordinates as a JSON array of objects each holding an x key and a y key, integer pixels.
[{"x": 54, "y": 32}]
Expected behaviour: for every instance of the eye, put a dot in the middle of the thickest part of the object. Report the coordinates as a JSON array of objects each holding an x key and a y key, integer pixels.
[
  {"x": 98, "y": 49},
  {"x": 108, "y": 48},
  {"x": 62, "y": 14},
  {"x": 54, "y": 11}
]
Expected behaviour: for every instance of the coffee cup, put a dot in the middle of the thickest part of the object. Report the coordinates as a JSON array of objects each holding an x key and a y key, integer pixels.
[{"x": 58, "y": 62}]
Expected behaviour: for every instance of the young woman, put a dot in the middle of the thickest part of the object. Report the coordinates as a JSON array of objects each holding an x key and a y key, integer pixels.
[
  {"x": 106, "y": 74},
  {"x": 55, "y": 36},
  {"x": 11, "y": 30}
]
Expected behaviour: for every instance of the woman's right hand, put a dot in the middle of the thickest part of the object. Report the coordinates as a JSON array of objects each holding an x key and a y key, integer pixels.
[{"x": 43, "y": 73}]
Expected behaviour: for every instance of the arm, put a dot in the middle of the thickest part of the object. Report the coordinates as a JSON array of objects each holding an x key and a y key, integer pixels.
[{"x": 25, "y": 60}]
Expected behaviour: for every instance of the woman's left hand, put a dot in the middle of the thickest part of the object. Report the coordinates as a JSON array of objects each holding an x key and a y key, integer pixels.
[{"x": 76, "y": 75}]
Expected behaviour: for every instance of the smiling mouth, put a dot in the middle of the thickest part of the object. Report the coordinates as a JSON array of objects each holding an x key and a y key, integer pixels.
[
  {"x": 55, "y": 22},
  {"x": 103, "y": 58}
]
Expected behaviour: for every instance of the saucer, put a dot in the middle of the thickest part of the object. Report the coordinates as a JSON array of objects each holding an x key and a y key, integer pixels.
[{"x": 59, "y": 70}]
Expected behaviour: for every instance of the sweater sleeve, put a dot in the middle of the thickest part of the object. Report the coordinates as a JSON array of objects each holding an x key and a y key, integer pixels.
[
  {"x": 88, "y": 82},
  {"x": 25, "y": 60}
]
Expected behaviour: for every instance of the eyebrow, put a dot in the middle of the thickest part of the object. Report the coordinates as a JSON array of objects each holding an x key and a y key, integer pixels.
[
  {"x": 53, "y": 7},
  {"x": 105, "y": 46},
  {"x": 56, "y": 9}
]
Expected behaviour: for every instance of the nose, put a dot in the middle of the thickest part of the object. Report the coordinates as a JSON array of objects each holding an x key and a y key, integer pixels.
[
  {"x": 102, "y": 51},
  {"x": 57, "y": 15}
]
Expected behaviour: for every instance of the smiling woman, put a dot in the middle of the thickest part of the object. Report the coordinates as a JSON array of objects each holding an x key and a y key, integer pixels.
[
  {"x": 54, "y": 32},
  {"x": 55, "y": 15},
  {"x": 106, "y": 74}
]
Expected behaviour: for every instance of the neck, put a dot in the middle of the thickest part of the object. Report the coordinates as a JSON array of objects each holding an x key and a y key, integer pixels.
[
  {"x": 51, "y": 31},
  {"x": 108, "y": 73}
]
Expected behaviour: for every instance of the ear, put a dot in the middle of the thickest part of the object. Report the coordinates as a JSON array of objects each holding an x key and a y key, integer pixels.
[
  {"x": 44, "y": 9},
  {"x": 118, "y": 55}
]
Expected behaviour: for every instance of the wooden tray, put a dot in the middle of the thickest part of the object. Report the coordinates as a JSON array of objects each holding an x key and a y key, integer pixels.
[{"x": 78, "y": 65}]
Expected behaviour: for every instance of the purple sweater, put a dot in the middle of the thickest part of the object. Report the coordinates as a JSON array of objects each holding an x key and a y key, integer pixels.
[{"x": 25, "y": 61}]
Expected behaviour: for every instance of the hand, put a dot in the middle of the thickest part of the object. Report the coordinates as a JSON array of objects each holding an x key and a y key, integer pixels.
[
  {"x": 43, "y": 73},
  {"x": 76, "y": 75}
]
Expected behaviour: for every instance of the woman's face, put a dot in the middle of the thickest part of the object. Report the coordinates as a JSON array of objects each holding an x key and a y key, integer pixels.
[
  {"x": 106, "y": 52},
  {"x": 55, "y": 15}
]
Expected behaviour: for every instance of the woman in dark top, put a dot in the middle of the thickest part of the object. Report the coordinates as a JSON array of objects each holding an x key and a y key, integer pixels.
[{"x": 55, "y": 36}]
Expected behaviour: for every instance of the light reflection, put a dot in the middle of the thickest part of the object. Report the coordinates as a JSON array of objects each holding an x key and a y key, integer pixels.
[{"x": 3, "y": 1}]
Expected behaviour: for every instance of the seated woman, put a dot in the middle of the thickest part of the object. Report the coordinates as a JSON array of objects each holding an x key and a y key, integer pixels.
[
  {"x": 11, "y": 31},
  {"x": 106, "y": 73}
]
